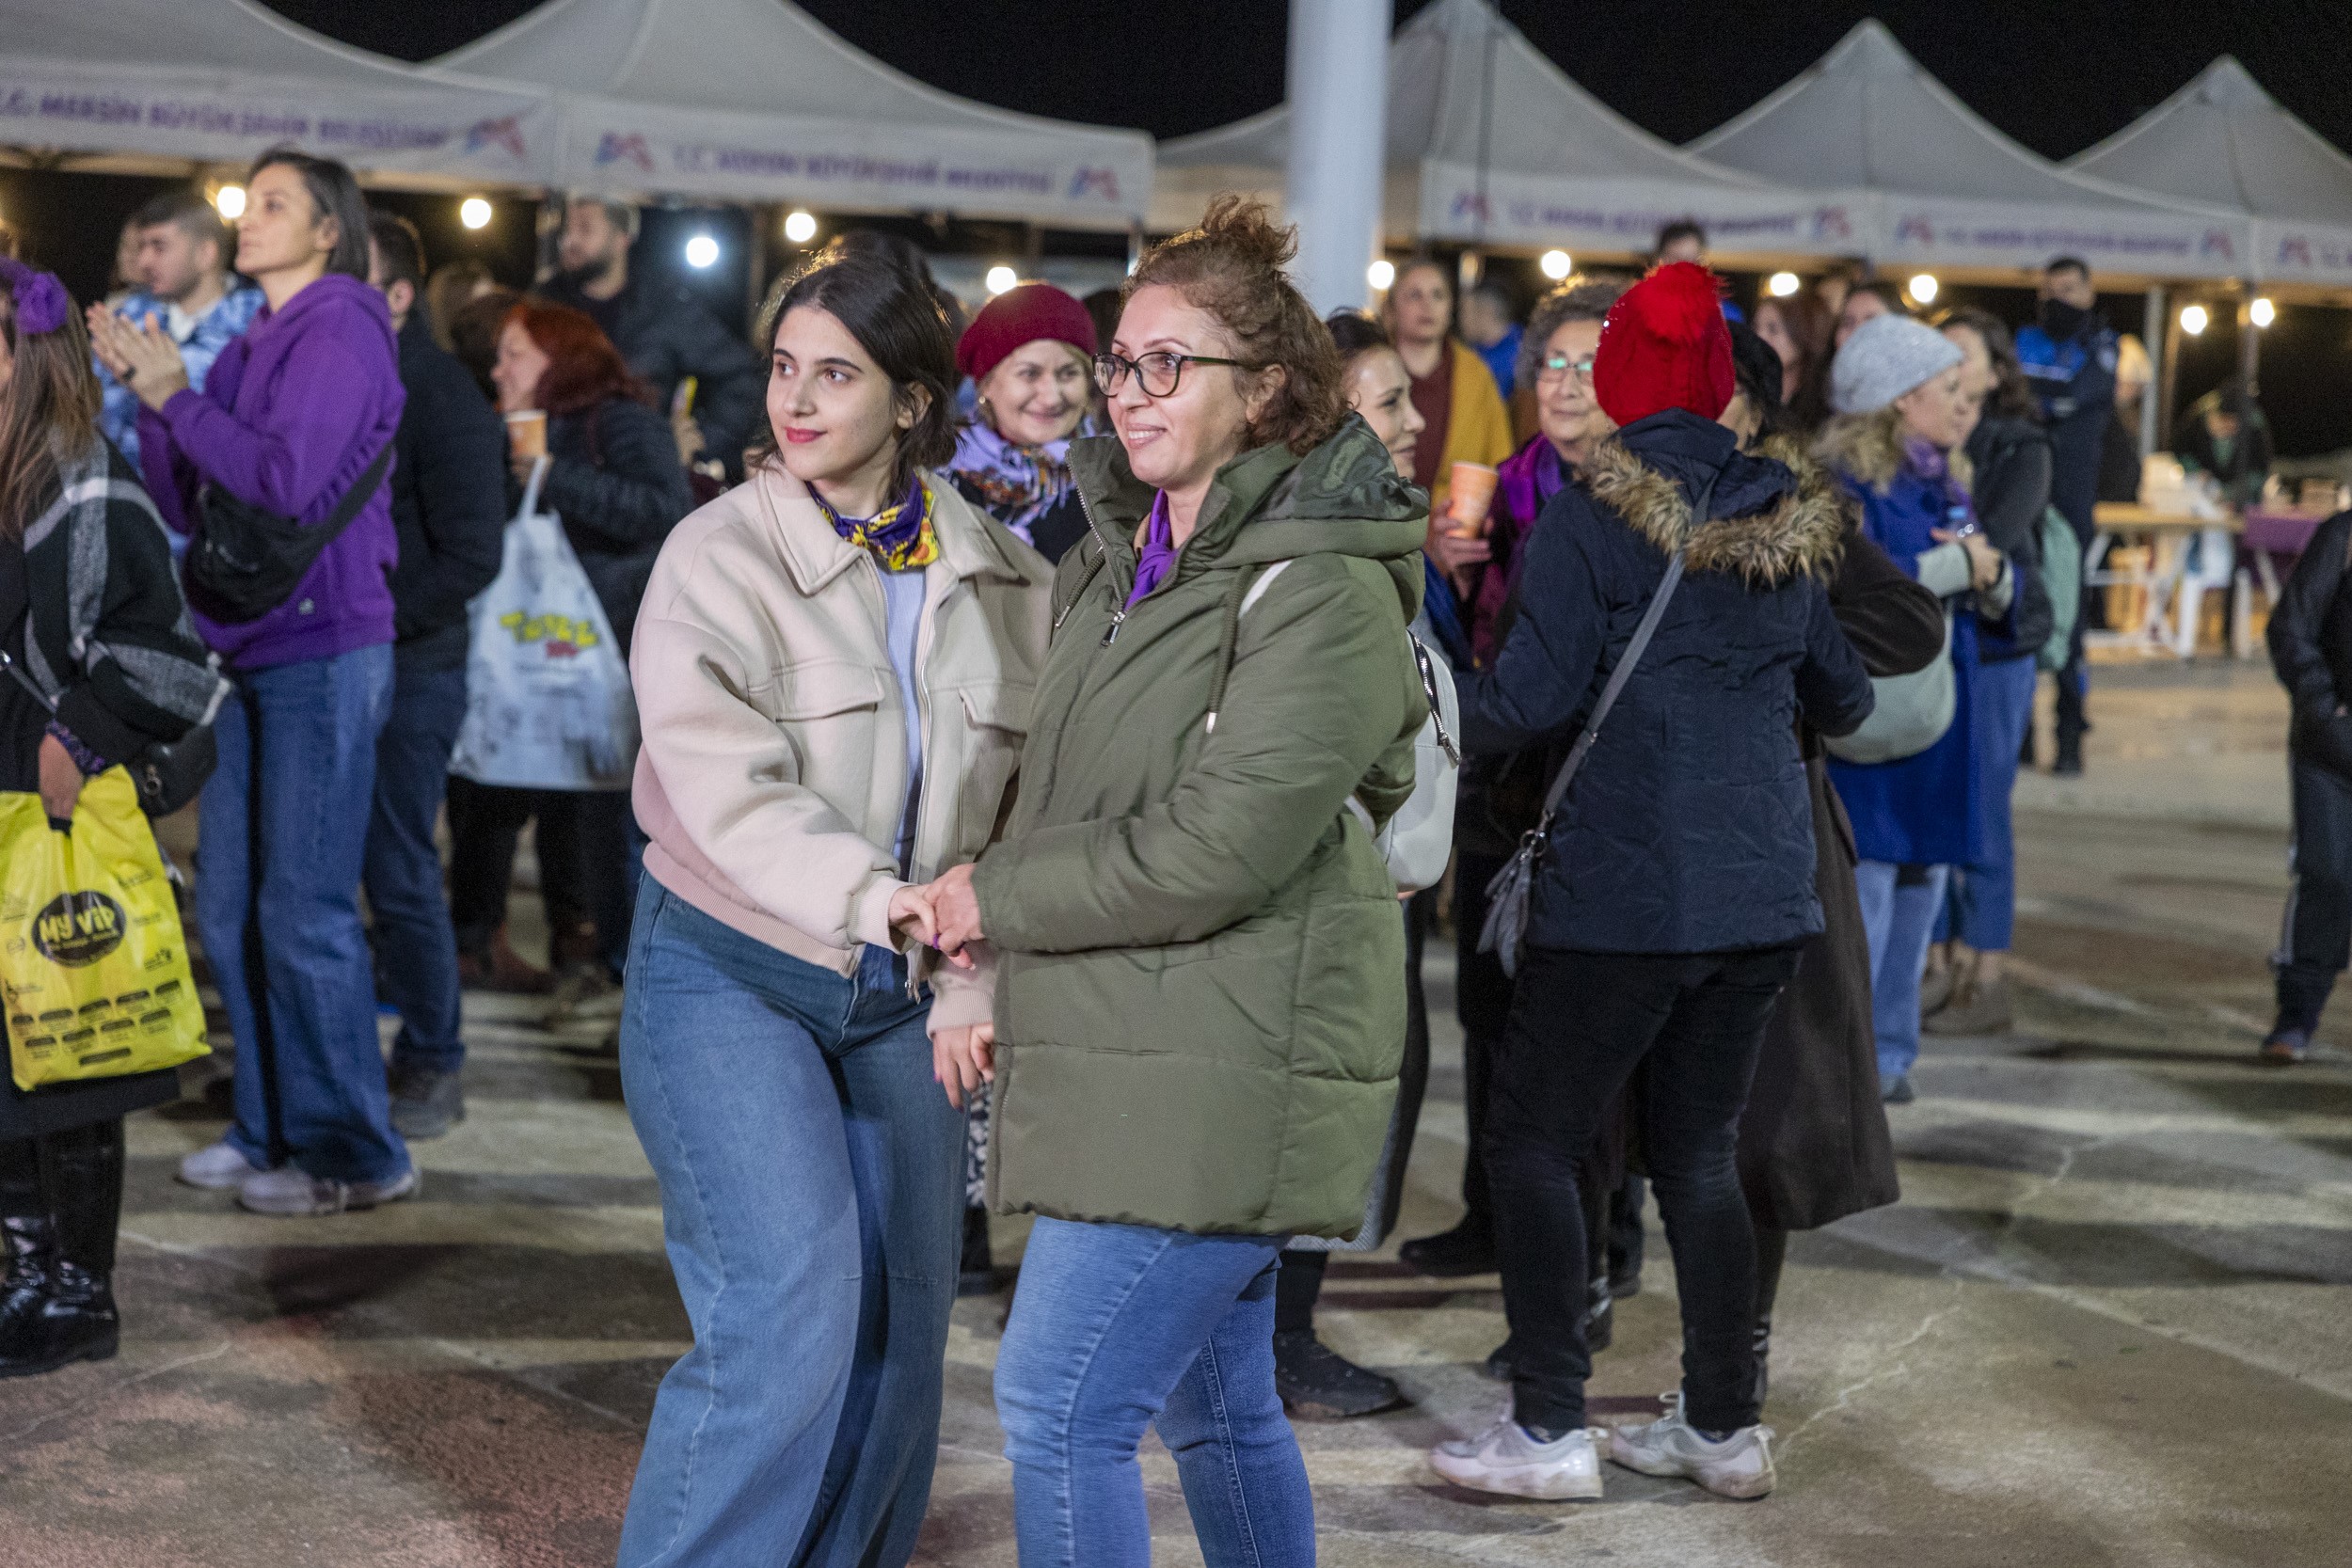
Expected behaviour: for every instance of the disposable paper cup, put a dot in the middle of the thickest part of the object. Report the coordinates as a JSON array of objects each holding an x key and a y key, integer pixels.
[
  {"x": 526, "y": 432},
  {"x": 1473, "y": 491}
]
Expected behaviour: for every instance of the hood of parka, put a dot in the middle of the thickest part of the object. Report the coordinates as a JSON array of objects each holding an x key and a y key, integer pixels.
[{"x": 1268, "y": 504}]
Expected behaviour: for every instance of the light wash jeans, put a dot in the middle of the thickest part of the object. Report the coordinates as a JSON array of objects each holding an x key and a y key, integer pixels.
[
  {"x": 1117, "y": 1327},
  {"x": 812, "y": 1201},
  {"x": 1981, "y": 908},
  {"x": 1899, "y": 905},
  {"x": 282, "y": 829}
]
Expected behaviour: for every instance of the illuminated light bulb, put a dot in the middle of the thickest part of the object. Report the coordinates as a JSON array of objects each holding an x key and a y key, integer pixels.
[
  {"x": 1556, "y": 264},
  {"x": 799, "y": 228},
  {"x": 474, "y": 213},
  {"x": 701, "y": 251},
  {"x": 229, "y": 201},
  {"x": 1001, "y": 278},
  {"x": 2262, "y": 311},
  {"x": 1783, "y": 284},
  {"x": 1922, "y": 288},
  {"x": 1381, "y": 272},
  {"x": 2193, "y": 320}
]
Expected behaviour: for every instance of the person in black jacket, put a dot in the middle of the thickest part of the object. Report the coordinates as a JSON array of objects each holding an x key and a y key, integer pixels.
[
  {"x": 663, "y": 332},
  {"x": 2311, "y": 648},
  {"x": 449, "y": 506},
  {"x": 613, "y": 477},
  {"x": 1676, "y": 884},
  {"x": 92, "y": 613}
]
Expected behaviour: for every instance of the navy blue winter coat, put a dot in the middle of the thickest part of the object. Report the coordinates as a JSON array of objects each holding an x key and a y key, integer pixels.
[{"x": 1690, "y": 828}]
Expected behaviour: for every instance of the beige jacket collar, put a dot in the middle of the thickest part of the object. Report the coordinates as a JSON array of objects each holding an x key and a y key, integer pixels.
[{"x": 815, "y": 554}]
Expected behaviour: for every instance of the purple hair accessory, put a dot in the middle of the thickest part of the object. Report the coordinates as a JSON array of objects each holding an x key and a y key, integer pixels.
[{"x": 41, "y": 302}]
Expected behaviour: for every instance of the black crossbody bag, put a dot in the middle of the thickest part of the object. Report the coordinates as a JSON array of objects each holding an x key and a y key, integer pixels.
[
  {"x": 245, "y": 559},
  {"x": 1512, "y": 894},
  {"x": 168, "y": 774}
]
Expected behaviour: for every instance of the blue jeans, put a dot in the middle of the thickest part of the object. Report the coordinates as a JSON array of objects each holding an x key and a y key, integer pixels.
[
  {"x": 1117, "y": 1327},
  {"x": 281, "y": 830},
  {"x": 416, "y": 952},
  {"x": 812, "y": 1199},
  {"x": 1982, "y": 908},
  {"x": 1899, "y": 908}
]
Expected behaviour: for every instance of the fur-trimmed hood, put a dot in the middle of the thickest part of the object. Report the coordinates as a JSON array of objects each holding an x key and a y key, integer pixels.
[
  {"x": 1798, "y": 534},
  {"x": 1869, "y": 449}
]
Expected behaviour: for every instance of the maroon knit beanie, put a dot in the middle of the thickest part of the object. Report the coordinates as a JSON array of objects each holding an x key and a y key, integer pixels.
[
  {"x": 1018, "y": 316},
  {"x": 1664, "y": 346}
]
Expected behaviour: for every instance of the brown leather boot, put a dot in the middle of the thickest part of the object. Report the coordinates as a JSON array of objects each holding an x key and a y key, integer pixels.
[{"x": 501, "y": 970}]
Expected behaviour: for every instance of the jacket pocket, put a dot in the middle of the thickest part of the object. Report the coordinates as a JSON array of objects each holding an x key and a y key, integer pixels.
[
  {"x": 995, "y": 727},
  {"x": 829, "y": 712}
]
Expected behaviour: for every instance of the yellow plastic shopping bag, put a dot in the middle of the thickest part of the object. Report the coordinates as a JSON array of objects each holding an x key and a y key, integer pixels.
[{"x": 93, "y": 967}]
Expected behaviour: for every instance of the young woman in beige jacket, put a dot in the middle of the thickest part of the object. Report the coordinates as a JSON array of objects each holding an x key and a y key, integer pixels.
[{"x": 834, "y": 667}]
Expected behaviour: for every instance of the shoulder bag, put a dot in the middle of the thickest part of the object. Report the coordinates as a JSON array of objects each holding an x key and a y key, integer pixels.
[
  {"x": 245, "y": 559},
  {"x": 1512, "y": 894}
]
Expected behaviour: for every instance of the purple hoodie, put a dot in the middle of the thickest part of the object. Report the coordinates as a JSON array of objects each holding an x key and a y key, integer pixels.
[{"x": 292, "y": 414}]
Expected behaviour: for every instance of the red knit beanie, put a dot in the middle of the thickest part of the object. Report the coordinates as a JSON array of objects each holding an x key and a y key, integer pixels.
[
  {"x": 1664, "y": 346},
  {"x": 1018, "y": 316}
]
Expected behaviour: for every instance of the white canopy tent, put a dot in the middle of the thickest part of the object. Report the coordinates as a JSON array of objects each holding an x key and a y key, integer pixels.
[
  {"x": 1488, "y": 142},
  {"x": 752, "y": 101},
  {"x": 132, "y": 87},
  {"x": 2223, "y": 140},
  {"x": 1946, "y": 189}
]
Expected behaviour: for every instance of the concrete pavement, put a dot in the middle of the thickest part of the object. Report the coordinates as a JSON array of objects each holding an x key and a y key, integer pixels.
[{"x": 2107, "y": 1324}]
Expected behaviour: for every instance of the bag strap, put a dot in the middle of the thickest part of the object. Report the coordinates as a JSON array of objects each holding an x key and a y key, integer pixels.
[
  {"x": 1624, "y": 672},
  {"x": 362, "y": 490},
  {"x": 17, "y": 671}
]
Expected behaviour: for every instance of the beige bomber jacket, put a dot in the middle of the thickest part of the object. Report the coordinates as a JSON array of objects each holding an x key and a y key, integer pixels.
[{"x": 773, "y": 770}]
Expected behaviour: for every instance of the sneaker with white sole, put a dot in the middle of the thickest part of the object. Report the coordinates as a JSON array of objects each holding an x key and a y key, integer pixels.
[
  {"x": 287, "y": 1191},
  {"x": 1508, "y": 1459},
  {"x": 217, "y": 1167},
  {"x": 1740, "y": 1465}
]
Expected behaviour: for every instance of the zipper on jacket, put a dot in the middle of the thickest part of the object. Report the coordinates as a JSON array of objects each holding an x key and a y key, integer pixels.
[{"x": 1119, "y": 619}]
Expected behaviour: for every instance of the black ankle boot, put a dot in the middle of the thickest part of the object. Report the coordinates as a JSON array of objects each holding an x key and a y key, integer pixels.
[
  {"x": 1318, "y": 1384},
  {"x": 70, "y": 1316}
]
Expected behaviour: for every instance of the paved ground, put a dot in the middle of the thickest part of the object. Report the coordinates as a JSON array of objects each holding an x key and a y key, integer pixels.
[{"x": 2108, "y": 1324}]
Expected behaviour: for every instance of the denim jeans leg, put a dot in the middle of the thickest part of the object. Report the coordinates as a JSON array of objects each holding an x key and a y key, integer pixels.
[
  {"x": 1244, "y": 1480},
  {"x": 1109, "y": 1320},
  {"x": 1900, "y": 914},
  {"x": 415, "y": 951},
  {"x": 733, "y": 1098},
  {"x": 1983, "y": 904},
  {"x": 224, "y": 906},
  {"x": 905, "y": 1146},
  {"x": 311, "y": 729}
]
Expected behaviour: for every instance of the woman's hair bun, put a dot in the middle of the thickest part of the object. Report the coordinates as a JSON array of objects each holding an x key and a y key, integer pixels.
[{"x": 1244, "y": 226}]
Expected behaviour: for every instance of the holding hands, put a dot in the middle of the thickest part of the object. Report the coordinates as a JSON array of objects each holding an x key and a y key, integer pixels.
[
  {"x": 140, "y": 354},
  {"x": 944, "y": 915}
]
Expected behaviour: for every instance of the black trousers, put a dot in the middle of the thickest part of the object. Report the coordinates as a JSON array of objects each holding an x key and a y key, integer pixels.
[
  {"x": 583, "y": 852},
  {"x": 2318, "y": 939},
  {"x": 1580, "y": 1023},
  {"x": 1482, "y": 1002}
]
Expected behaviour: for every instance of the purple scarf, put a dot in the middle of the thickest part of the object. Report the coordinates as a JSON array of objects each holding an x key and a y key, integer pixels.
[
  {"x": 1929, "y": 461},
  {"x": 1159, "y": 551}
]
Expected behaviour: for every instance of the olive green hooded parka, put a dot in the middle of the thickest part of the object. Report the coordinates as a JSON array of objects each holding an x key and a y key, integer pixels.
[{"x": 1200, "y": 1003}]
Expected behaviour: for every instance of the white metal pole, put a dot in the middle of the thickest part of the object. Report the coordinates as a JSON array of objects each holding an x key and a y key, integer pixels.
[
  {"x": 2156, "y": 339},
  {"x": 1338, "y": 103}
]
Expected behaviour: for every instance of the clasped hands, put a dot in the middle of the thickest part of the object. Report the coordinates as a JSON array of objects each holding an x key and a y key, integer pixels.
[
  {"x": 944, "y": 916},
  {"x": 141, "y": 355},
  {"x": 1984, "y": 559}
]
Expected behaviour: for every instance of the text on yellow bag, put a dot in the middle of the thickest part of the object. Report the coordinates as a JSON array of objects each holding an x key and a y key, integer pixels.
[{"x": 93, "y": 965}]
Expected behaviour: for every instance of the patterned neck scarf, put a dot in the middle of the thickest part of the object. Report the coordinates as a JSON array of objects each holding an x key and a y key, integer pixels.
[
  {"x": 1932, "y": 463},
  {"x": 901, "y": 536},
  {"x": 1017, "y": 484}
]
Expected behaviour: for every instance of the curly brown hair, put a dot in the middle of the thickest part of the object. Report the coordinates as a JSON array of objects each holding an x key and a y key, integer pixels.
[{"x": 1231, "y": 267}]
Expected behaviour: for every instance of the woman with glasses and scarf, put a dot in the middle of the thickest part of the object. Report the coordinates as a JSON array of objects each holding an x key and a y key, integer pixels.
[{"x": 1202, "y": 1010}]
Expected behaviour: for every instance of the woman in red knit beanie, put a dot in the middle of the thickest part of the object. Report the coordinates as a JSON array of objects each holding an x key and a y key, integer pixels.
[
  {"x": 1674, "y": 886},
  {"x": 1030, "y": 352}
]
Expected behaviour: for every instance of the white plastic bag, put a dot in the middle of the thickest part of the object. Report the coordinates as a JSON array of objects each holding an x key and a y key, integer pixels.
[{"x": 548, "y": 704}]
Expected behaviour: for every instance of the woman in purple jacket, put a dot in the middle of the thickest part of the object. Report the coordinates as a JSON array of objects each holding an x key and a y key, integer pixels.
[{"x": 292, "y": 418}]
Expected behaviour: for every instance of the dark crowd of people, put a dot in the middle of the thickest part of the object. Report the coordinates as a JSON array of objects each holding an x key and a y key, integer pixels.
[{"x": 1007, "y": 828}]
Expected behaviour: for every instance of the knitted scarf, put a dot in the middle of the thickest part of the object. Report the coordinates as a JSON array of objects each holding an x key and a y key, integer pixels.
[
  {"x": 900, "y": 535},
  {"x": 1017, "y": 484},
  {"x": 1929, "y": 461}
]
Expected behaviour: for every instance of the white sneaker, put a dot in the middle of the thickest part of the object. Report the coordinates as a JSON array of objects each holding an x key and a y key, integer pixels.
[
  {"x": 1738, "y": 1466},
  {"x": 287, "y": 1191},
  {"x": 1506, "y": 1458},
  {"x": 218, "y": 1168}
]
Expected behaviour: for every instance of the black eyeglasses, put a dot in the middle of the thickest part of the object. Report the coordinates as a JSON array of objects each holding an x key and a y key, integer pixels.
[
  {"x": 1160, "y": 370},
  {"x": 1556, "y": 365}
]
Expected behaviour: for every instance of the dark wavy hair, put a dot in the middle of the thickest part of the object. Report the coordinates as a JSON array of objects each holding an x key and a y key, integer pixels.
[
  {"x": 2012, "y": 397},
  {"x": 893, "y": 310},
  {"x": 1231, "y": 267}
]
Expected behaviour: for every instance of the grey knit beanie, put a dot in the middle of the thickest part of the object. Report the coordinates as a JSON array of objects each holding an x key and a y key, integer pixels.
[{"x": 1886, "y": 357}]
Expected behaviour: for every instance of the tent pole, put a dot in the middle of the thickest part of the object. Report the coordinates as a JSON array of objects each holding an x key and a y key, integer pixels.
[
  {"x": 2152, "y": 336},
  {"x": 763, "y": 217},
  {"x": 2169, "y": 375},
  {"x": 1134, "y": 244},
  {"x": 2250, "y": 342},
  {"x": 1339, "y": 104}
]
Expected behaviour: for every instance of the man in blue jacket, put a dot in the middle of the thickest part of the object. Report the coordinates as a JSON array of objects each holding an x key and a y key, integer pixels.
[
  {"x": 448, "y": 507},
  {"x": 182, "y": 258},
  {"x": 2069, "y": 357}
]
